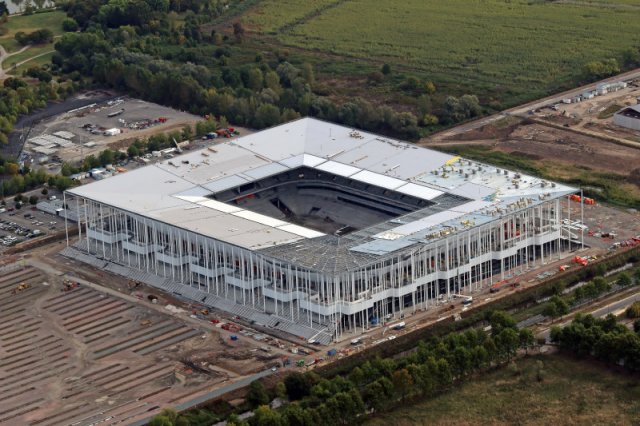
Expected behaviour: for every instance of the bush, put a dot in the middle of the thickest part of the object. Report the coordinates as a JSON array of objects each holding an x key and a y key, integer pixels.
[
  {"x": 70, "y": 25},
  {"x": 37, "y": 37},
  {"x": 633, "y": 311}
]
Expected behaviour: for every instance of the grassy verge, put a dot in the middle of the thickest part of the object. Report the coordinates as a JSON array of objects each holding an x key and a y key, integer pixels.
[
  {"x": 37, "y": 62},
  {"x": 29, "y": 23},
  {"x": 609, "y": 111},
  {"x": 29, "y": 53},
  {"x": 570, "y": 392}
]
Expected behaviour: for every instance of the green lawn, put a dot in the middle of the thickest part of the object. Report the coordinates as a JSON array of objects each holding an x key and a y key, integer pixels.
[
  {"x": 571, "y": 393},
  {"x": 37, "y": 62},
  {"x": 50, "y": 20},
  {"x": 29, "y": 53},
  {"x": 519, "y": 49}
]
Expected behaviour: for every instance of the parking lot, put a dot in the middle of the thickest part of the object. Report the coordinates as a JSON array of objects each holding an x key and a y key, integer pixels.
[{"x": 27, "y": 222}]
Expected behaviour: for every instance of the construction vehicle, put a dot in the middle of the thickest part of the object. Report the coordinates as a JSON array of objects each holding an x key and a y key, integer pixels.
[
  {"x": 580, "y": 260},
  {"x": 175, "y": 142},
  {"x": 504, "y": 283},
  {"x": 230, "y": 327},
  {"x": 69, "y": 285},
  {"x": 20, "y": 287}
]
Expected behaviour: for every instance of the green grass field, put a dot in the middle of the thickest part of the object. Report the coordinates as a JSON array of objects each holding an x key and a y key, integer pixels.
[
  {"x": 37, "y": 62},
  {"x": 518, "y": 49},
  {"x": 50, "y": 20},
  {"x": 571, "y": 393}
]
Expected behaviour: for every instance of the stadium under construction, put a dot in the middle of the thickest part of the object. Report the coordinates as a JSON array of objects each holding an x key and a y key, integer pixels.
[{"x": 319, "y": 230}]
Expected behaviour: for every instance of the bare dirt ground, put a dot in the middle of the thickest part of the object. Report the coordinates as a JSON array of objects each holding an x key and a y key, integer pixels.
[
  {"x": 88, "y": 355},
  {"x": 549, "y": 144}
]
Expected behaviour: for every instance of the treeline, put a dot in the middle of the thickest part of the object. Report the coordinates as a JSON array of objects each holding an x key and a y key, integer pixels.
[
  {"x": 559, "y": 305},
  {"x": 254, "y": 95},
  {"x": 380, "y": 384},
  {"x": 17, "y": 181},
  {"x": 604, "y": 339},
  {"x": 185, "y": 66},
  {"x": 35, "y": 37},
  {"x": 18, "y": 98}
]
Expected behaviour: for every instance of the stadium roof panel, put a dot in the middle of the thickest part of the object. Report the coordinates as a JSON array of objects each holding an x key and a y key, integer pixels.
[{"x": 180, "y": 191}]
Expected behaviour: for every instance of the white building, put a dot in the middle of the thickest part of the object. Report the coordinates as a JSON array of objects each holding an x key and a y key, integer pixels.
[
  {"x": 628, "y": 117},
  {"x": 320, "y": 230}
]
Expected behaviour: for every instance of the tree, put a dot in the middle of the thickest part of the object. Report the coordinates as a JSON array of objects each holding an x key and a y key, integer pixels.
[
  {"x": 386, "y": 69},
  {"x": 133, "y": 151},
  {"x": 238, "y": 31},
  {"x": 167, "y": 417},
  {"x": 69, "y": 25},
  {"x": 633, "y": 311},
  {"x": 257, "y": 394},
  {"x": 500, "y": 320},
  {"x": 402, "y": 382},
  {"x": 597, "y": 70},
  {"x": 298, "y": 386},
  {"x": 4, "y": 10},
  {"x": 507, "y": 342},
  {"x": 281, "y": 390},
  {"x": 267, "y": 115},
  {"x": 265, "y": 416},
  {"x": 378, "y": 394},
  {"x": 44, "y": 191},
  {"x": 624, "y": 279},
  {"x": 526, "y": 338},
  {"x": 33, "y": 200},
  {"x": 550, "y": 310}
]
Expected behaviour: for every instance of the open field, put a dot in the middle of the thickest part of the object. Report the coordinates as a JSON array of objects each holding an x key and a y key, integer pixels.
[
  {"x": 571, "y": 393},
  {"x": 31, "y": 63},
  {"x": 29, "y": 23},
  {"x": 83, "y": 356},
  {"x": 29, "y": 53},
  {"x": 468, "y": 46}
]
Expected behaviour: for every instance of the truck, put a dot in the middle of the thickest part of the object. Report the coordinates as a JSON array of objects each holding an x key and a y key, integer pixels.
[
  {"x": 230, "y": 327},
  {"x": 332, "y": 352}
]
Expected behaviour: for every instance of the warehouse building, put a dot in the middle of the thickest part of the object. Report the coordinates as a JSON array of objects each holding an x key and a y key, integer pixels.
[
  {"x": 320, "y": 230},
  {"x": 628, "y": 117}
]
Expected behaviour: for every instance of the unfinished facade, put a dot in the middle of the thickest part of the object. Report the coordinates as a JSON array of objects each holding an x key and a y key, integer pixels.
[{"x": 320, "y": 230}]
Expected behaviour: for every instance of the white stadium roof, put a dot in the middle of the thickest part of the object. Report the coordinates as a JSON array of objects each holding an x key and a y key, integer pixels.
[{"x": 175, "y": 191}]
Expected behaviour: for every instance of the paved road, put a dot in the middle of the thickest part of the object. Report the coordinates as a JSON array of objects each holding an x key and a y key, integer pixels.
[
  {"x": 523, "y": 109},
  {"x": 211, "y": 395},
  {"x": 598, "y": 312}
]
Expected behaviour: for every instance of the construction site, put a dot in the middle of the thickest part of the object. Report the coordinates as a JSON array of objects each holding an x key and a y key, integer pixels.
[
  {"x": 73, "y": 352},
  {"x": 90, "y": 129}
]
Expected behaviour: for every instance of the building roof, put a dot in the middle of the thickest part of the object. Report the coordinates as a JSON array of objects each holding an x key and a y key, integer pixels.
[
  {"x": 632, "y": 111},
  {"x": 461, "y": 193}
]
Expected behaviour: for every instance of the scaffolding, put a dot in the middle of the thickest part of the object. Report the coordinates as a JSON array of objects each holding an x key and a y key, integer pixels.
[{"x": 343, "y": 298}]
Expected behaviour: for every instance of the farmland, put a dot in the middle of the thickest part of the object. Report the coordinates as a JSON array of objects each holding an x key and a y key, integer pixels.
[
  {"x": 464, "y": 46},
  {"x": 570, "y": 392}
]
